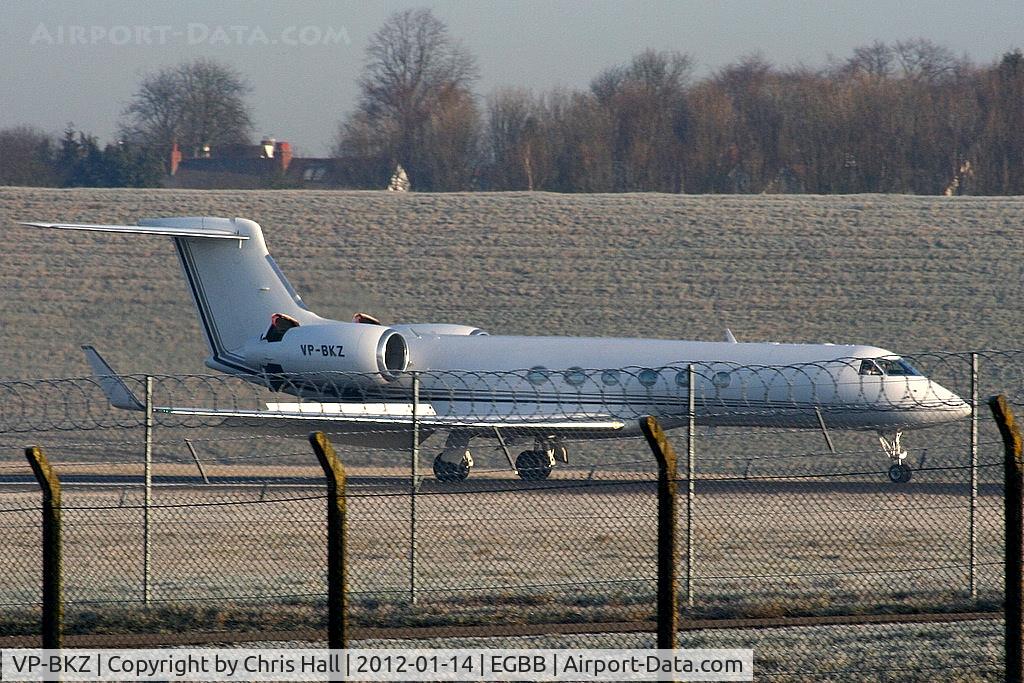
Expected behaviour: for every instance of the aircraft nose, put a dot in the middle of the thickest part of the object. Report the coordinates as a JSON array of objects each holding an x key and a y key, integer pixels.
[{"x": 951, "y": 405}]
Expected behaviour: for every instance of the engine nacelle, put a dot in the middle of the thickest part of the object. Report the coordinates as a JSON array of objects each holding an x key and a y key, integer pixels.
[
  {"x": 430, "y": 329},
  {"x": 320, "y": 351}
]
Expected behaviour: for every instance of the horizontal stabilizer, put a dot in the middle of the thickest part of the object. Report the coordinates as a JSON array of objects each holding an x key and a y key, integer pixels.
[
  {"x": 145, "y": 230},
  {"x": 116, "y": 391}
]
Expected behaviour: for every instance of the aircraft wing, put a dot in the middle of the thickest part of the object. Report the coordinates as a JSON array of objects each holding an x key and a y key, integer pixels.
[
  {"x": 389, "y": 415},
  {"x": 400, "y": 414}
]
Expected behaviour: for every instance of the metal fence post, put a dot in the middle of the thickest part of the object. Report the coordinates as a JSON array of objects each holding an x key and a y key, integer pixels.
[
  {"x": 973, "y": 511},
  {"x": 691, "y": 472},
  {"x": 199, "y": 463},
  {"x": 1014, "y": 551},
  {"x": 413, "y": 483},
  {"x": 337, "y": 578},
  {"x": 53, "y": 602},
  {"x": 668, "y": 614},
  {"x": 147, "y": 494}
]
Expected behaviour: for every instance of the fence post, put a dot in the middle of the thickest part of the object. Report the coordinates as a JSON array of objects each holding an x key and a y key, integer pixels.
[
  {"x": 53, "y": 602},
  {"x": 973, "y": 512},
  {"x": 199, "y": 463},
  {"x": 414, "y": 473},
  {"x": 147, "y": 493},
  {"x": 668, "y": 614},
  {"x": 337, "y": 579},
  {"x": 1014, "y": 511},
  {"x": 691, "y": 473}
]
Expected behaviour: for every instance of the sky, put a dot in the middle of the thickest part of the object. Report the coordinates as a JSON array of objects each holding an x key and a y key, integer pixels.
[{"x": 80, "y": 62}]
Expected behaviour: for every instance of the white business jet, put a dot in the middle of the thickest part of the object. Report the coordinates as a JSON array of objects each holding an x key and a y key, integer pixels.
[{"x": 512, "y": 389}]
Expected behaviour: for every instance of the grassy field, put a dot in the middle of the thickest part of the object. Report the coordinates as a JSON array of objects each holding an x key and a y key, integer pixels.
[{"x": 906, "y": 273}]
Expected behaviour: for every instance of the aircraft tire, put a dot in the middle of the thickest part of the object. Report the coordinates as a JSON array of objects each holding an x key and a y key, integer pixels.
[
  {"x": 899, "y": 474},
  {"x": 450, "y": 471},
  {"x": 533, "y": 465}
]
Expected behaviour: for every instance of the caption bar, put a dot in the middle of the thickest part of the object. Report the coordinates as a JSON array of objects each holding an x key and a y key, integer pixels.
[{"x": 209, "y": 664}]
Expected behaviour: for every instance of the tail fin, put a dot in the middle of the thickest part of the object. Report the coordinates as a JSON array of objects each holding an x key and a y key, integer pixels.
[{"x": 235, "y": 284}]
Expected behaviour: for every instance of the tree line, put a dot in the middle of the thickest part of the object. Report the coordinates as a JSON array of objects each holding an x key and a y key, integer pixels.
[
  {"x": 196, "y": 106},
  {"x": 30, "y": 157},
  {"x": 906, "y": 117},
  {"x": 903, "y": 117}
]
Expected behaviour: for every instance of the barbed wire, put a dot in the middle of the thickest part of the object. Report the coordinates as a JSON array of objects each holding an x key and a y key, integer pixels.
[{"x": 840, "y": 390}]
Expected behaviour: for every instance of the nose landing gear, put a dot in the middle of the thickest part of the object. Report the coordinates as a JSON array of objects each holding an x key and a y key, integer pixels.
[{"x": 899, "y": 472}]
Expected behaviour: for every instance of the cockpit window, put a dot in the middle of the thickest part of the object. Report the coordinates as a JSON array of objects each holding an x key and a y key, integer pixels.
[
  {"x": 897, "y": 366},
  {"x": 868, "y": 367},
  {"x": 894, "y": 367}
]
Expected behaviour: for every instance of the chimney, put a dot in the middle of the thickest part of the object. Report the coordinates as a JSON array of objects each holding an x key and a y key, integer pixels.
[
  {"x": 282, "y": 155},
  {"x": 175, "y": 158},
  {"x": 269, "y": 145}
]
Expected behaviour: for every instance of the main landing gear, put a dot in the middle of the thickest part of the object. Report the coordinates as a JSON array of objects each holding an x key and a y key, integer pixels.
[
  {"x": 455, "y": 461},
  {"x": 536, "y": 464},
  {"x": 899, "y": 471}
]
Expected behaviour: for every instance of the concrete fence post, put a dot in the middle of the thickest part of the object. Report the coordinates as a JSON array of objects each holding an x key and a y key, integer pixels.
[
  {"x": 668, "y": 585},
  {"x": 1014, "y": 552},
  {"x": 53, "y": 599},
  {"x": 337, "y": 577}
]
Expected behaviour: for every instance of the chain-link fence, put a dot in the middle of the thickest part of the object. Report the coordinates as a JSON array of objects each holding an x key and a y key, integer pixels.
[{"x": 801, "y": 546}]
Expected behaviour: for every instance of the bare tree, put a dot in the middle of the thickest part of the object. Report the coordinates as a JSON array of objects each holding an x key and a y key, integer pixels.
[
  {"x": 875, "y": 61},
  {"x": 646, "y": 103},
  {"x": 922, "y": 60},
  {"x": 414, "y": 73},
  {"x": 195, "y": 104},
  {"x": 515, "y": 139},
  {"x": 1001, "y": 146}
]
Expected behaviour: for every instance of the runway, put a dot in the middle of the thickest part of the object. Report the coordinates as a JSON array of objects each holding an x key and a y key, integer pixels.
[{"x": 568, "y": 484}]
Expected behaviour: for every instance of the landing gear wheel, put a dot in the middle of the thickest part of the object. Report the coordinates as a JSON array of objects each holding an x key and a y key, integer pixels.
[
  {"x": 562, "y": 454},
  {"x": 533, "y": 465},
  {"x": 899, "y": 473},
  {"x": 450, "y": 471}
]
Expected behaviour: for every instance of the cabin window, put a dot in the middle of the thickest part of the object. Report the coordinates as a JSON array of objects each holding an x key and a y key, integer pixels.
[
  {"x": 722, "y": 379},
  {"x": 610, "y": 377},
  {"x": 575, "y": 376},
  {"x": 538, "y": 374},
  {"x": 648, "y": 377}
]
